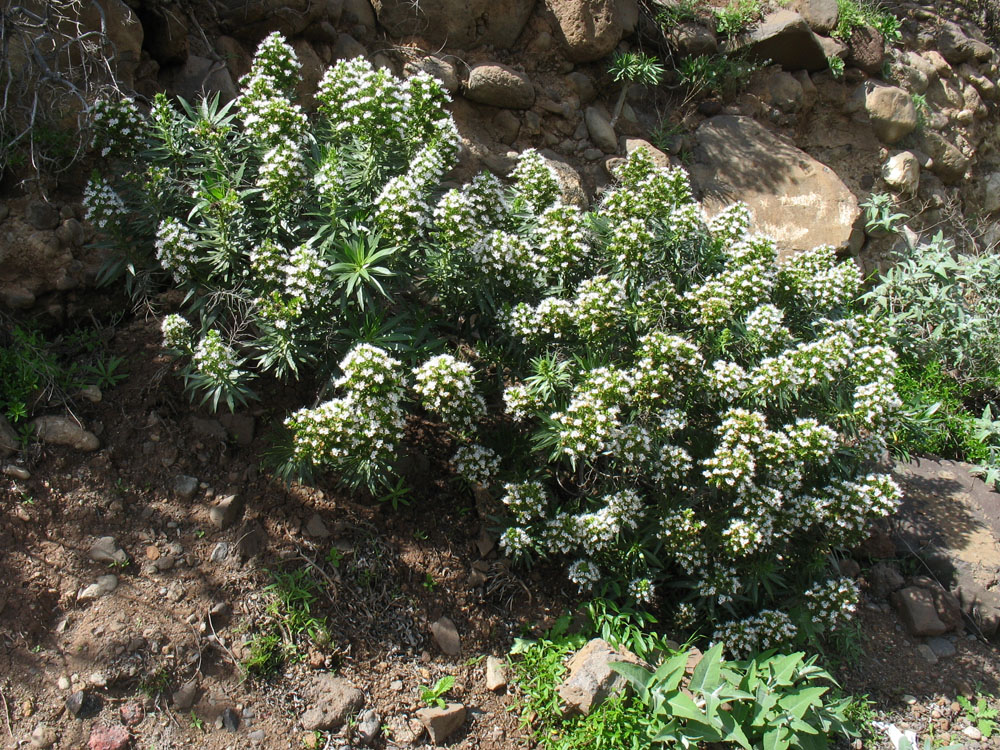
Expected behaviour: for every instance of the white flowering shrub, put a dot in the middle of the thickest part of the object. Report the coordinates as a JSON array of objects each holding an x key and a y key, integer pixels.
[{"x": 653, "y": 399}]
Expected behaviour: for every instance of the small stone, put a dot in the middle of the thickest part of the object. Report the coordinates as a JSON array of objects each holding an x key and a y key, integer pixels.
[
  {"x": 441, "y": 723},
  {"x": 496, "y": 674},
  {"x": 499, "y": 86},
  {"x": 230, "y": 720},
  {"x": 446, "y": 636},
  {"x": 369, "y": 726},
  {"x": 257, "y": 737},
  {"x": 98, "y": 679},
  {"x": 185, "y": 697},
  {"x": 132, "y": 714},
  {"x": 63, "y": 682},
  {"x": 942, "y": 647},
  {"x": 108, "y": 738},
  {"x": 901, "y": 172},
  {"x": 226, "y": 511},
  {"x": 43, "y": 737},
  {"x": 59, "y": 430},
  {"x": 973, "y": 733},
  {"x": 601, "y": 131},
  {"x": 152, "y": 552},
  {"x": 336, "y": 700},
  {"x": 316, "y": 528},
  {"x": 927, "y": 653},
  {"x": 185, "y": 486},
  {"x": 220, "y": 552},
  {"x": 16, "y": 472},
  {"x": 75, "y": 703},
  {"x": 104, "y": 585},
  {"x": 106, "y": 550},
  {"x": 42, "y": 215}
]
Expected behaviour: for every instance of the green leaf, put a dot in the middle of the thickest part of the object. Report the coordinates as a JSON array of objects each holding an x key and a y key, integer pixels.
[
  {"x": 637, "y": 675},
  {"x": 799, "y": 701},
  {"x": 706, "y": 676}
]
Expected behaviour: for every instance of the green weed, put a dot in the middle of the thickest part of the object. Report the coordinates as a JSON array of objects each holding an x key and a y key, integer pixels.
[
  {"x": 738, "y": 16},
  {"x": 434, "y": 696}
]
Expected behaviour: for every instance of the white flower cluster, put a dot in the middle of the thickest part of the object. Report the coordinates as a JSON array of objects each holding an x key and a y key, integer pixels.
[
  {"x": 590, "y": 424},
  {"x": 215, "y": 359},
  {"x": 727, "y": 380},
  {"x": 731, "y": 224},
  {"x": 561, "y": 239},
  {"x": 645, "y": 191},
  {"x": 464, "y": 215},
  {"x": 268, "y": 262},
  {"x": 446, "y": 387},
  {"x": 535, "y": 181},
  {"x": 585, "y": 574},
  {"x": 595, "y": 531},
  {"x": 520, "y": 401},
  {"x": 365, "y": 424},
  {"x": 831, "y": 604},
  {"x": 506, "y": 258},
  {"x": 816, "y": 282},
  {"x": 598, "y": 306},
  {"x": 807, "y": 365},
  {"x": 680, "y": 533},
  {"x": 767, "y": 629},
  {"x": 402, "y": 208},
  {"x": 176, "y": 332},
  {"x": 666, "y": 364},
  {"x": 305, "y": 274},
  {"x": 118, "y": 126},
  {"x": 176, "y": 248},
  {"x": 642, "y": 590},
  {"x": 639, "y": 449},
  {"x": 527, "y": 501},
  {"x": 552, "y": 317},
  {"x": 734, "y": 462},
  {"x": 765, "y": 328},
  {"x": 745, "y": 283},
  {"x": 105, "y": 208},
  {"x": 629, "y": 244},
  {"x": 476, "y": 464},
  {"x": 846, "y": 508}
]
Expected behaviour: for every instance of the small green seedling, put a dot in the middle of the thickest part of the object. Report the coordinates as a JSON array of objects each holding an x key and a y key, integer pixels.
[
  {"x": 434, "y": 696},
  {"x": 981, "y": 714}
]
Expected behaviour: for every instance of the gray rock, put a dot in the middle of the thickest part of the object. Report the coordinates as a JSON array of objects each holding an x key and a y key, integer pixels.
[
  {"x": 257, "y": 736},
  {"x": 499, "y": 86},
  {"x": 42, "y": 215},
  {"x": 226, "y": 511},
  {"x": 369, "y": 726},
  {"x": 441, "y": 723},
  {"x": 496, "y": 674},
  {"x": 231, "y": 720},
  {"x": 253, "y": 19},
  {"x": 70, "y": 233},
  {"x": 16, "y": 472},
  {"x": 200, "y": 75},
  {"x": 786, "y": 92},
  {"x": 185, "y": 486},
  {"x": 927, "y": 653},
  {"x": 590, "y": 680},
  {"x": 583, "y": 85},
  {"x": 901, "y": 172},
  {"x": 106, "y": 550},
  {"x": 446, "y": 637},
  {"x": 991, "y": 194},
  {"x": 43, "y": 737},
  {"x": 104, "y": 585},
  {"x": 335, "y": 701},
  {"x": 600, "y": 129},
  {"x": 784, "y": 38},
  {"x": 917, "y": 609},
  {"x": 316, "y": 528},
  {"x": 507, "y": 126},
  {"x": 59, "y": 430},
  {"x": 953, "y": 43},
  {"x": 942, "y": 647},
  {"x": 890, "y": 110},
  {"x": 220, "y": 552},
  {"x": 693, "y": 40},
  {"x": 821, "y": 15},
  {"x": 631, "y": 145},
  {"x": 347, "y": 48},
  {"x": 795, "y": 199},
  {"x": 973, "y": 733}
]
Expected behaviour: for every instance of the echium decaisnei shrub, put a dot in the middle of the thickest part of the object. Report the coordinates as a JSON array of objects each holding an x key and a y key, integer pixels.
[{"x": 652, "y": 397}]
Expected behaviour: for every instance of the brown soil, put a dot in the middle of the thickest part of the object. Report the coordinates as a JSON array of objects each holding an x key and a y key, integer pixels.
[{"x": 396, "y": 572}]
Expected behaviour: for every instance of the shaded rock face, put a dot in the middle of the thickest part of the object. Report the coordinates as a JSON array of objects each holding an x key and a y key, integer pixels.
[
  {"x": 456, "y": 23},
  {"x": 253, "y": 19},
  {"x": 785, "y": 38},
  {"x": 795, "y": 199},
  {"x": 500, "y": 86}
]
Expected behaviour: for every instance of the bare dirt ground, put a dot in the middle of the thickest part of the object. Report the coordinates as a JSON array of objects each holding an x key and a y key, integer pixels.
[{"x": 192, "y": 595}]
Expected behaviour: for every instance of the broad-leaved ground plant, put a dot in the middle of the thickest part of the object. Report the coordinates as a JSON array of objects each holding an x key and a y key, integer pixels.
[{"x": 648, "y": 393}]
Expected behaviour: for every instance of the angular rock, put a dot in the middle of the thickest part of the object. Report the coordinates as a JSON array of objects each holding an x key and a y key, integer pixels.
[
  {"x": 693, "y": 40},
  {"x": 231, "y": 720},
  {"x": 601, "y": 131},
  {"x": 927, "y": 653},
  {"x": 571, "y": 187},
  {"x": 583, "y": 85},
  {"x": 890, "y": 110},
  {"x": 954, "y": 44},
  {"x": 253, "y": 19},
  {"x": 132, "y": 713},
  {"x": 106, "y": 550},
  {"x": 590, "y": 29},
  {"x": 42, "y": 215},
  {"x": 499, "y": 86},
  {"x": 104, "y": 586},
  {"x": 462, "y": 24},
  {"x": 335, "y": 701},
  {"x": 942, "y": 647},
  {"x": 347, "y": 48},
  {"x": 786, "y": 92},
  {"x": 866, "y": 49},
  {"x": 200, "y": 75},
  {"x": 918, "y": 611},
  {"x": 784, "y": 38},
  {"x": 496, "y": 674},
  {"x": 186, "y": 695},
  {"x": 108, "y": 738},
  {"x": 226, "y": 511},
  {"x": 991, "y": 200},
  {"x": 821, "y": 15},
  {"x": 948, "y": 163},
  {"x": 901, "y": 172},
  {"x": 631, "y": 145},
  {"x": 58, "y": 430},
  {"x": 441, "y": 723},
  {"x": 446, "y": 637},
  {"x": 795, "y": 199},
  {"x": 369, "y": 726},
  {"x": 591, "y": 680}
]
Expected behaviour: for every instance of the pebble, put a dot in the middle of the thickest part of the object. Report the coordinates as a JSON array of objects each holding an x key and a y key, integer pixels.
[
  {"x": 927, "y": 653},
  {"x": 220, "y": 553},
  {"x": 230, "y": 720},
  {"x": 973, "y": 733},
  {"x": 257, "y": 736},
  {"x": 942, "y": 647},
  {"x": 16, "y": 472},
  {"x": 63, "y": 682}
]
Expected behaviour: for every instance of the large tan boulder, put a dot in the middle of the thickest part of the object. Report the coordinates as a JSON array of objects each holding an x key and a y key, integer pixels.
[
  {"x": 589, "y": 29},
  {"x": 456, "y": 23},
  {"x": 500, "y": 86},
  {"x": 795, "y": 199},
  {"x": 890, "y": 110}
]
